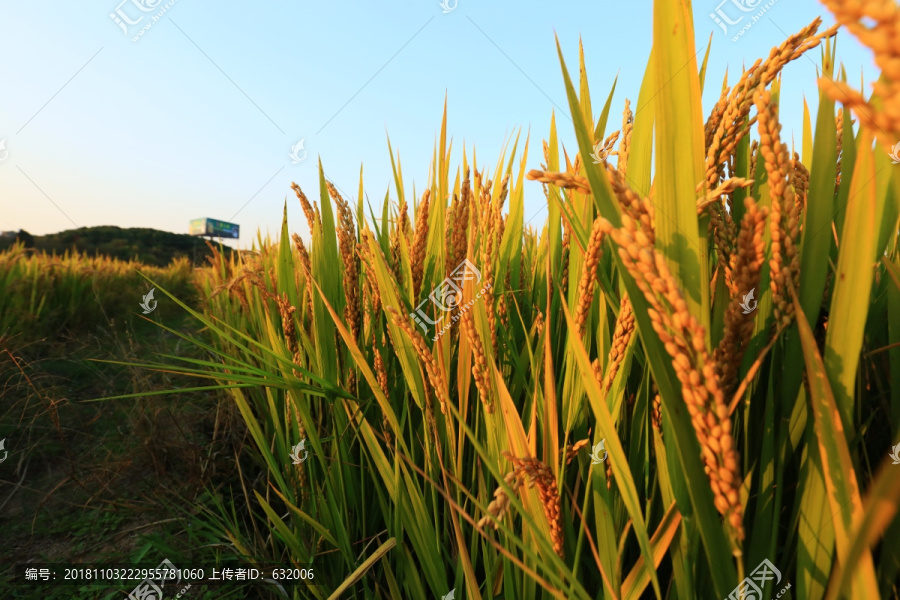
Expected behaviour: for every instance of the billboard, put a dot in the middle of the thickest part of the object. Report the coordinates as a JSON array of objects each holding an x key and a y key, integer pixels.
[{"x": 215, "y": 228}]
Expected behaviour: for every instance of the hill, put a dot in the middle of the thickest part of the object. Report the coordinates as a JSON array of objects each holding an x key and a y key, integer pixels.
[{"x": 149, "y": 246}]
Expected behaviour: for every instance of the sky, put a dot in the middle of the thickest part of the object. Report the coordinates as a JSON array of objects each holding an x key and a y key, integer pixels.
[{"x": 197, "y": 116}]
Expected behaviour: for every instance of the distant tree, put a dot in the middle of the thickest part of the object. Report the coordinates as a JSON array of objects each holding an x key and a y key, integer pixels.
[
  {"x": 149, "y": 246},
  {"x": 26, "y": 238}
]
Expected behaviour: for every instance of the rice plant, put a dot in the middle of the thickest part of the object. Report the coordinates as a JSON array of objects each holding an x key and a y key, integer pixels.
[{"x": 686, "y": 375}]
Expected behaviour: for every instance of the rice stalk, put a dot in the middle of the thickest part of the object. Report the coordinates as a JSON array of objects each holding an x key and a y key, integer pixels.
[
  {"x": 685, "y": 342},
  {"x": 784, "y": 264}
]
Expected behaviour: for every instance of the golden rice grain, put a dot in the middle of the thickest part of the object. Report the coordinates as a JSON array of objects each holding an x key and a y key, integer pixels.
[
  {"x": 723, "y": 189},
  {"x": 479, "y": 361},
  {"x": 607, "y": 146},
  {"x": 311, "y": 217},
  {"x": 562, "y": 180},
  {"x": 400, "y": 231},
  {"x": 685, "y": 341},
  {"x": 539, "y": 476},
  {"x": 566, "y": 240},
  {"x": 633, "y": 204},
  {"x": 420, "y": 243},
  {"x": 839, "y": 127},
  {"x": 784, "y": 263},
  {"x": 382, "y": 377},
  {"x": 625, "y": 144},
  {"x": 656, "y": 414},
  {"x": 726, "y": 125},
  {"x": 539, "y": 324},
  {"x": 457, "y": 236},
  {"x": 306, "y": 267},
  {"x": 499, "y": 506},
  {"x": 572, "y": 450},
  {"x": 371, "y": 281},
  {"x": 347, "y": 244},
  {"x": 433, "y": 368},
  {"x": 746, "y": 265},
  {"x": 875, "y": 23},
  {"x": 621, "y": 337},
  {"x": 800, "y": 181},
  {"x": 754, "y": 155}
]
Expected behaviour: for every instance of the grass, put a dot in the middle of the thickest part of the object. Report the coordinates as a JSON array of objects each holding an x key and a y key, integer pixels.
[
  {"x": 100, "y": 483},
  {"x": 733, "y": 429}
]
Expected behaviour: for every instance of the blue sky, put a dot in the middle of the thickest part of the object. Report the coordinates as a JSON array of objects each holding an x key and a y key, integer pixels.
[{"x": 197, "y": 118}]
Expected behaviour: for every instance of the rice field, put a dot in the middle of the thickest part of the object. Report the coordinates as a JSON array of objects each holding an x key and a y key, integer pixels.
[
  {"x": 42, "y": 295},
  {"x": 681, "y": 385}
]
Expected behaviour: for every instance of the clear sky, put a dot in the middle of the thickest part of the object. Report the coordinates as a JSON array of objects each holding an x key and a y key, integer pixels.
[{"x": 197, "y": 117}]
